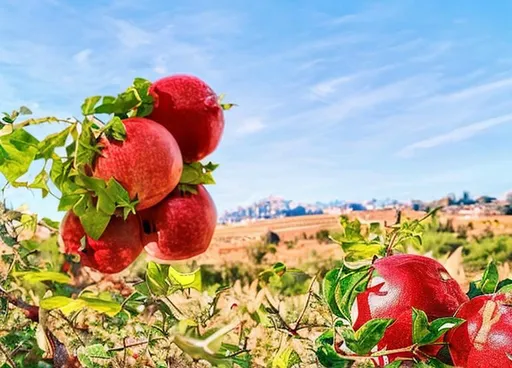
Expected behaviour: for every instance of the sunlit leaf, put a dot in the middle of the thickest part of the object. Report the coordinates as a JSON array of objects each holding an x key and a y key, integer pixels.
[
  {"x": 40, "y": 276},
  {"x": 17, "y": 151},
  {"x": 179, "y": 281},
  {"x": 286, "y": 358}
]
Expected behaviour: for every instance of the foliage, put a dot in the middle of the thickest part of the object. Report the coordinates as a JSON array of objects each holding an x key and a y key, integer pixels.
[{"x": 261, "y": 313}]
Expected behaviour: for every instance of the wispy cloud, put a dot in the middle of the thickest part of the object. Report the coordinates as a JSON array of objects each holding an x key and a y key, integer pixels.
[
  {"x": 480, "y": 89},
  {"x": 330, "y": 86},
  {"x": 250, "y": 126},
  {"x": 131, "y": 35},
  {"x": 82, "y": 57},
  {"x": 456, "y": 135}
]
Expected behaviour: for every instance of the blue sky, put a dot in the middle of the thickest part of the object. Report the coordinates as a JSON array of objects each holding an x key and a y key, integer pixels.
[{"x": 337, "y": 99}]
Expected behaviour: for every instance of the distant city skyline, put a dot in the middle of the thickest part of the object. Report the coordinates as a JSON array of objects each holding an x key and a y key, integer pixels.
[
  {"x": 277, "y": 206},
  {"x": 350, "y": 99}
]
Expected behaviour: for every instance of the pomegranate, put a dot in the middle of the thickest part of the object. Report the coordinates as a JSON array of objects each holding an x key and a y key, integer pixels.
[
  {"x": 114, "y": 251},
  {"x": 181, "y": 226},
  {"x": 398, "y": 284},
  {"x": 486, "y": 337},
  {"x": 190, "y": 110},
  {"x": 148, "y": 163}
]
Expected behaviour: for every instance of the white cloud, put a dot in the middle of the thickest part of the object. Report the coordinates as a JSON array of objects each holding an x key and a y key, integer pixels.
[
  {"x": 480, "y": 89},
  {"x": 250, "y": 126},
  {"x": 131, "y": 35},
  {"x": 160, "y": 69},
  {"x": 433, "y": 52},
  {"x": 456, "y": 135},
  {"x": 330, "y": 86},
  {"x": 82, "y": 57},
  {"x": 344, "y": 19}
]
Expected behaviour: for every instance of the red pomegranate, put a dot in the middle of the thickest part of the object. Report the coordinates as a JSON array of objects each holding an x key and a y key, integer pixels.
[
  {"x": 181, "y": 226},
  {"x": 148, "y": 163},
  {"x": 190, "y": 110},
  {"x": 398, "y": 284},
  {"x": 114, "y": 251},
  {"x": 485, "y": 339}
]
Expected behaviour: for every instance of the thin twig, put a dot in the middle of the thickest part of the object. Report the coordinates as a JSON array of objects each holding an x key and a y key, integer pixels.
[
  {"x": 173, "y": 305},
  {"x": 7, "y": 356},
  {"x": 30, "y": 311},
  {"x": 287, "y": 327},
  {"x": 70, "y": 323},
  {"x": 139, "y": 343},
  {"x": 238, "y": 353},
  {"x": 301, "y": 315}
]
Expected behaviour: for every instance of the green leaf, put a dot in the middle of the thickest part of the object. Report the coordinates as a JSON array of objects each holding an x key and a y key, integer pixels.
[
  {"x": 196, "y": 173},
  {"x": 17, "y": 152},
  {"x": 68, "y": 305},
  {"x": 24, "y": 110},
  {"x": 41, "y": 182},
  {"x": 369, "y": 334},
  {"x": 71, "y": 148},
  {"x": 348, "y": 287},
  {"x": 60, "y": 171},
  {"x": 180, "y": 281},
  {"x": 28, "y": 222},
  {"x": 156, "y": 275},
  {"x": 187, "y": 188},
  {"x": 490, "y": 279},
  {"x": 420, "y": 327},
  {"x": 329, "y": 286},
  {"x": 210, "y": 166},
  {"x": 41, "y": 276},
  {"x": 64, "y": 304},
  {"x": 109, "y": 307},
  {"x": 438, "y": 327},
  {"x": 279, "y": 268},
  {"x": 86, "y": 146},
  {"x": 328, "y": 357},
  {"x": 359, "y": 251},
  {"x": 225, "y": 106},
  {"x": 50, "y": 223},
  {"x": 505, "y": 286},
  {"x": 115, "y": 129},
  {"x": 94, "y": 356},
  {"x": 94, "y": 222},
  {"x": 110, "y": 195},
  {"x": 286, "y": 358},
  {"x": 67, "y": 202},
  {"x": 120, "y": 105},
  {"x": 142, "y": 87},
  {"x": 474, "y": 290},
  {"x": 47, "y": 146},
  {"x": 340, "y": 289},
  {"x": 119, "y": 195},
  {"x": 425, "y": 333},
  {"x": 134, "y": 302},
  {"x": 89, "y": 105}
]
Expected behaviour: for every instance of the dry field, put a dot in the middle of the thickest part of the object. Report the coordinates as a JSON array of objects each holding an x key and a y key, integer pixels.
[{"x": 231, "y": 241}]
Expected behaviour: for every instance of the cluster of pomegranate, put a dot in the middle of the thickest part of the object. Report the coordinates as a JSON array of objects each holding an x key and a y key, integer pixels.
[
  {"x": 185, "y": 125},
  {"x": 400, "y": 283}
]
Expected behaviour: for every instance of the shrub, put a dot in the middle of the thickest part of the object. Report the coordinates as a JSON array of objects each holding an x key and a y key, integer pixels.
[{"x": 322, "y": 236}]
